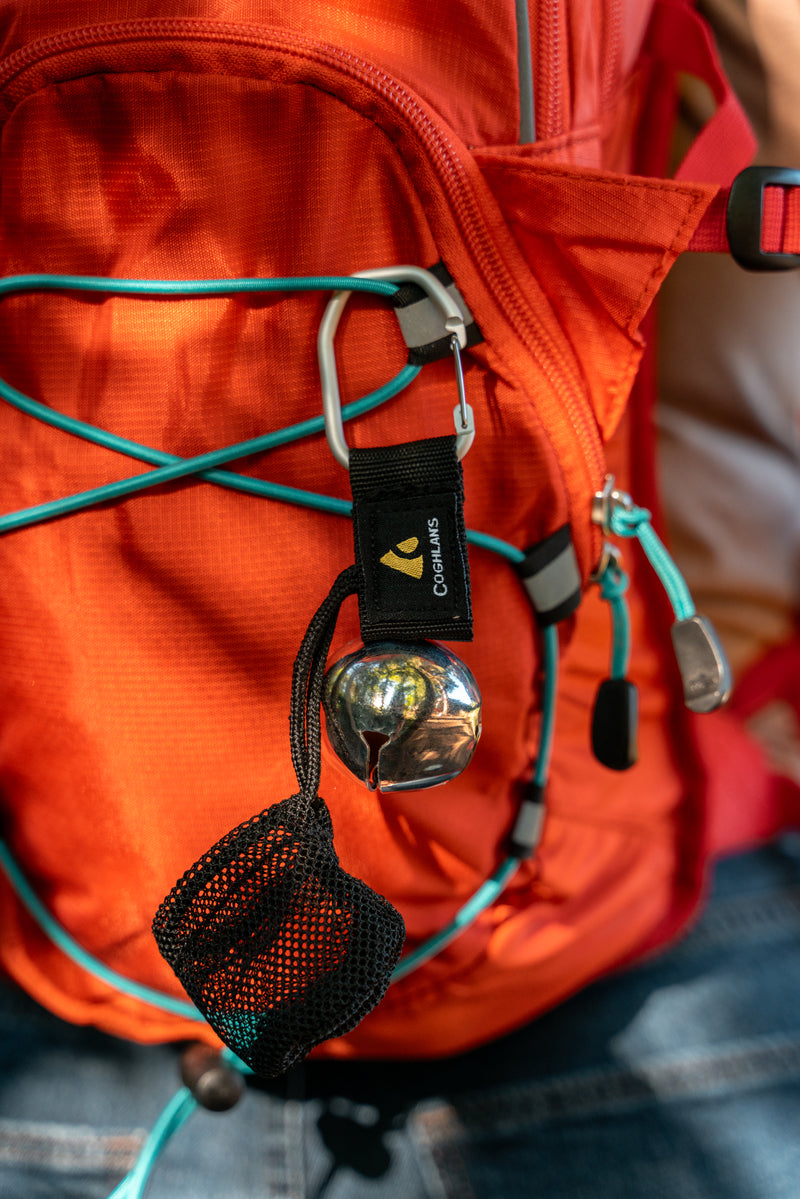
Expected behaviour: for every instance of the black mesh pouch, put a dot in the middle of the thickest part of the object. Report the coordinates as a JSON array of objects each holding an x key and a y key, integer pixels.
[
  {"x": 278, "y": 947},
  {"x": 274, "y": 942}
]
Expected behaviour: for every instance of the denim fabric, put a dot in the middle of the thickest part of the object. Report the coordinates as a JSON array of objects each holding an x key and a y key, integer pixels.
[{"x": 678, "y": 1078}]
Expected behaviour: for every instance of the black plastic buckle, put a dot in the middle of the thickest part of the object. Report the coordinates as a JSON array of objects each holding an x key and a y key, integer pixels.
[{"x": 744, "y": 216}]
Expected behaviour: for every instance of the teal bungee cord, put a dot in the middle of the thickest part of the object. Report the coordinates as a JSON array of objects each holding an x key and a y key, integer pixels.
[
  {"x": 489, "y": 891},
  {"x": 203, "y": 465},
  {"x": 614, "y": 584},
  {"x": 170, "y": 468},
  {"x": 486, "y": 894},
  {"x": 547, "y": 730},
  {"x": 172, "y": 1118},
  {"x": 183, "y": 288},
  {"x": 636, "y": 522},
  {"x": 199, "y": 466},
  {"x": 73, "y": 950}
]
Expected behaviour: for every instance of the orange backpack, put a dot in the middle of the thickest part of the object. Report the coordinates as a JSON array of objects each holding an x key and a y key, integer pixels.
[{"x": 148, "y": 636}]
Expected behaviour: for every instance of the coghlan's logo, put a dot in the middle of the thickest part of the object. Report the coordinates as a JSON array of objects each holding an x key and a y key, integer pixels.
[
  {"x": 406, "y": 566},
  {"x": 414, "y": 566},
  {"x": 439, "y": 585}
]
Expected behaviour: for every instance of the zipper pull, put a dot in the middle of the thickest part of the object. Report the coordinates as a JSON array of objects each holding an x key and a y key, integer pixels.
[
  {"x": 704, "y": 669},
  {"x": 615, "y": 718}
]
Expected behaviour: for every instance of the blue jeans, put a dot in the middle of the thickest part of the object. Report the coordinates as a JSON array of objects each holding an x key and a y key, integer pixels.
[{"x": 679, "y": 1078}]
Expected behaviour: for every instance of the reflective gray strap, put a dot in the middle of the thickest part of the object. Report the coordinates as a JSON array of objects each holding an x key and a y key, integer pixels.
[
  {"x": 551, "y": 577},
  {"x": 421, "y": 321},
  {"x": 527, "y": 831}
]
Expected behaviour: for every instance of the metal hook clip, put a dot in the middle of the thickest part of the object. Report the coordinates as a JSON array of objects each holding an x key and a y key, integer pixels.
[
  {"x": 605, "y": 502},
  {"x": 454, "y": 324}
]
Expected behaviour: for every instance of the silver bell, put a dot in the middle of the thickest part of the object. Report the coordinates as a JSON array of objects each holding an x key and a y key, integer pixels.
[{"x": 402, "y": 717}]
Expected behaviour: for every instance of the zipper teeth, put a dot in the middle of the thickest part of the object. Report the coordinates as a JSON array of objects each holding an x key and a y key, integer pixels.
[
  {"x": 613, "y": 55},
  {"x": 121, "y": 31},
  {"x": 439, "y": 149},
  {"x": 549, "y": 68}
]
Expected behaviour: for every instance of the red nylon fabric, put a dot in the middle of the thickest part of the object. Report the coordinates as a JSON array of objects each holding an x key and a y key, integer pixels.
[
  {"x": 434, "y": 49},
  {"x": 780, "y": 223},
  {"x": 555, "y": 213}
]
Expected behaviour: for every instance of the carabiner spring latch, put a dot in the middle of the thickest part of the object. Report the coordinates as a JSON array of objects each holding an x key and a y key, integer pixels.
[{"x": 462, "y": 413}]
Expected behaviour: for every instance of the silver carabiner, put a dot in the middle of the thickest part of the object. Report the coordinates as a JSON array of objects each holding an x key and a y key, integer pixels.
[{"x": 453, "y": 323}]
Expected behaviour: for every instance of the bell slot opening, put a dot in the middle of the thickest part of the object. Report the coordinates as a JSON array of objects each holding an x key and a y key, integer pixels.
[{"x": 375, "y": 742}]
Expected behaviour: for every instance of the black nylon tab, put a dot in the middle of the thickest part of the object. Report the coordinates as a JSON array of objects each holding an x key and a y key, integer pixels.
[{"x": 410, "y": 542}]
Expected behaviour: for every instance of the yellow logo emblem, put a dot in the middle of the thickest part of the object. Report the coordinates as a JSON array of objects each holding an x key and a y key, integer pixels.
[{"x": 407, "y": 566}]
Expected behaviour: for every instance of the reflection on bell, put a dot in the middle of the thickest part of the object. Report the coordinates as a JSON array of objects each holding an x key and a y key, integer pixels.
[{"x": 402, "y": 717}]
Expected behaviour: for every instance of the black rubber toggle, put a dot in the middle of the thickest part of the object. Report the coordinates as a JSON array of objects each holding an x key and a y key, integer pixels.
[
  {"x": 214, "y": 1084},
  {"x": 615, "y": 724}
]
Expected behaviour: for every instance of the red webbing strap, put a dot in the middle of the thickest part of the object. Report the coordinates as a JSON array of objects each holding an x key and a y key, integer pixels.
[
  {"x": 780, "y": 220},
  {"x": 780, "y": 223},
  {"x": 711, "y": 234},
  {"x": 726, "y": 145}
]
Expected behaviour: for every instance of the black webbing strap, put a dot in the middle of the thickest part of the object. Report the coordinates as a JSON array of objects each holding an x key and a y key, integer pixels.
[{"x": 410, "y": 542}]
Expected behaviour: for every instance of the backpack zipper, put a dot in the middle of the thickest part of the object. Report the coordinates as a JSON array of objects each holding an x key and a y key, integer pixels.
[
  {"x": 562, "y": 374},
  {"x": 552, "y": 34},
  {"x": 612, "y": 56}
]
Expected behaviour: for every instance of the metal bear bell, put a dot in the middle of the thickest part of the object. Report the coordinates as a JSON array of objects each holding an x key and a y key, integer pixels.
[{"x": 402, "y": 717}]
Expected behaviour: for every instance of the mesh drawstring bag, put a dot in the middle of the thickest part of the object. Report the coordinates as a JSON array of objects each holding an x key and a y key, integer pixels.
[{"x": 278, "y": 947}]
